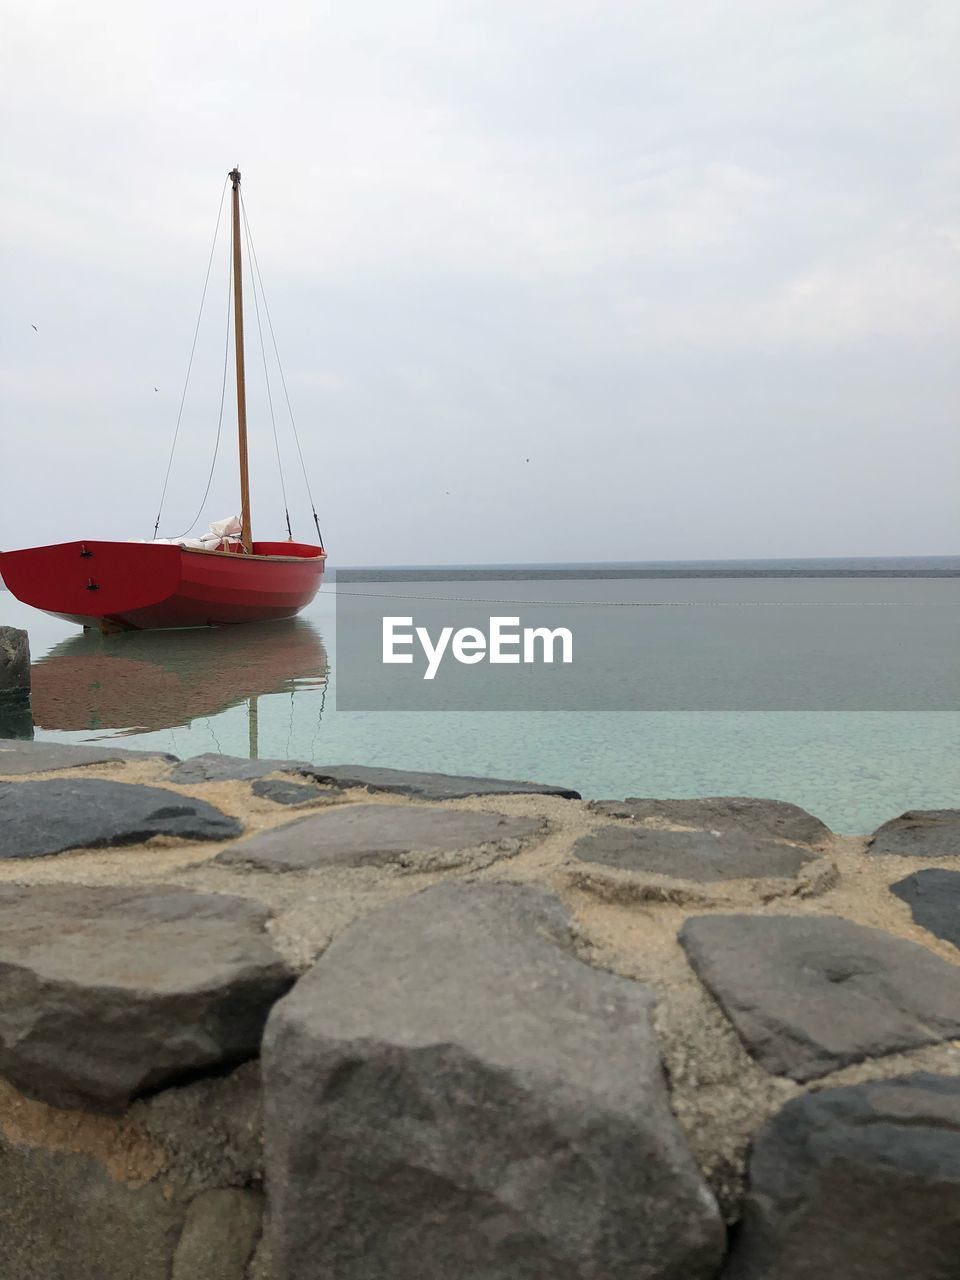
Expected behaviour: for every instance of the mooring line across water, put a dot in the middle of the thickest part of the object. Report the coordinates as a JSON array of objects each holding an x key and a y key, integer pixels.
[{"x": 655, "y": 604}]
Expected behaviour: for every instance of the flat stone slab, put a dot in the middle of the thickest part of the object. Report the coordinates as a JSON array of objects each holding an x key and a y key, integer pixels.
[
  {"x": 921, "y": 833},
  {"x": 438, "y": 786},
  {"x": 280, "y": 791},
  {"x": 859, "y": 1182},
  {"x": 810, "y": 994},
  {"x": 18, "y": 757},
  {"x": 107, "y": 993},
  {"x": 56, "y": 814},
  {"x": 741, "y": 815},
  {"x": 934, "y": 900},
  {"x": 691, "y": 855},
  {"x": 451, "y": 1093},
  {"x": 428, "y": 786},
  {"x": 365, "y": 835},
  {"x": 212, "y": 767}
]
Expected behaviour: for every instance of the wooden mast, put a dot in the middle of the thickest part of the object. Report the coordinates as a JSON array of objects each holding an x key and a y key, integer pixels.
[{"x": 246, "y": 535}]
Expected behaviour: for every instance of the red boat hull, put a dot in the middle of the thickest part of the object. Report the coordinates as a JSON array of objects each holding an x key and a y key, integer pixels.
[{"x": 141, "y": 586}]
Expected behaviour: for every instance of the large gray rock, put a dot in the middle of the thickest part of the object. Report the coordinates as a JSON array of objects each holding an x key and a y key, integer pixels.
[
  {"x": 810, "y": 994},
  {"x": 55, "y": 814},
  {"x": 428, "y": 786},
  {"x": 934, "y": 900},
  {"x": 921, "y": 833},
  {"x": 107, "y": 993},
  {"x": 450, "y": 1093},
  {"x": 691, "y": 855},
  {"x": 739, "y": 815},
  {"x": 860, "y": 1183},
  {"x": 14, "y": 661},
  {"x": 18, "y": 757},
  {"x": 358, "y": 835}
]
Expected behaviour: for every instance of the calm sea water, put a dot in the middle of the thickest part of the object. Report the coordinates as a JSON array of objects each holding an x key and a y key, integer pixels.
[{"x": 271, "y": 690}]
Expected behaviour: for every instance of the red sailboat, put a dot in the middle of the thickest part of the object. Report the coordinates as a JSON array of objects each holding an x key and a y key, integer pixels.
[{"x": 122, "y": 586}]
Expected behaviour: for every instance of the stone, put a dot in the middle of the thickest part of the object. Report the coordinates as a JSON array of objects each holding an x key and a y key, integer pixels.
[
  {"x": 55, "y": 814},
  {"x": 428, "y": 786},
  {"x": 360, "y": 835},
  {"x": 450, "y": 1092},
  {"x": 16, "y": 716},
  {"x": 220, "y": 1233},
  {"x": 811, "y": 994},
  {"x": 14, "y": 661},
  {"x": 107, "y": 993},
  {"x": 437, "y": 786},
  {"x": 63, "y": 1217},
  {"x": 858, "y": 1182},
  {"x": 280, "y": 791},
  {"x": 921, "y": 833},
  {"x": 690, "y": 855},
  {"x": 165, "y": 1190},
  {"x": 735, "y": 814},
  {"x": 933, "y": 897},
  {"x": 18, "y": 757},
  {"x": 261, "y": 1264},
  {"x": 213, "y": 767}
]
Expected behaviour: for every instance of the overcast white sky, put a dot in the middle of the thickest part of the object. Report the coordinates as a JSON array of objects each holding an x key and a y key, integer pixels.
[{"x": 696, "y": 260}]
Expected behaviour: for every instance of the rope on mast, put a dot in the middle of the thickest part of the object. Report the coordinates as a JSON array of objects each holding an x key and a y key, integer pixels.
[
  {"x": 283, "y": 381},
  {"x": 266, "y": 372},
  {"x": 193, "y": 348},
  {"x": 223, "y": 396}
]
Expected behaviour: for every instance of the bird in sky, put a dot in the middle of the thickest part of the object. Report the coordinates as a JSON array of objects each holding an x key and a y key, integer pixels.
[
  {"x": 34, "y": 328},
  {"x": 156, "y": 388}
]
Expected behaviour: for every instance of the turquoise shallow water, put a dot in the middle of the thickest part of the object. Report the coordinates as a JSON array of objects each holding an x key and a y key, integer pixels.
[{"x": 272, "y": 691}]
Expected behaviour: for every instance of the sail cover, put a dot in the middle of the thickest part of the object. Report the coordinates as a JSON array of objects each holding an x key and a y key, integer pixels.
[{"x": 221, "y": 534}]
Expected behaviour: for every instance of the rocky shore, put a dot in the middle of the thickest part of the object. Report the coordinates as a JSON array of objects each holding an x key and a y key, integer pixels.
[{"x": 269, "y": 1020}]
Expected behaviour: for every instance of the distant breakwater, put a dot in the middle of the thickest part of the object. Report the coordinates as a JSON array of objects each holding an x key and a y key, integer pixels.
[
  {"x": 538, "y": 575},
  {"x": 874, "y": 567}
]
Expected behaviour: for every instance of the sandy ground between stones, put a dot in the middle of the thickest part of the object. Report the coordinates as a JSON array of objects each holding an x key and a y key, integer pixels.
[
  {"x": 719, "y": 1094},
  {"x": 119, "y": 1143}
]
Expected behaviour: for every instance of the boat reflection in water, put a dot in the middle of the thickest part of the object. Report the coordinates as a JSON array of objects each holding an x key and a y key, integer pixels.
[{"x": 143, "y": 681}]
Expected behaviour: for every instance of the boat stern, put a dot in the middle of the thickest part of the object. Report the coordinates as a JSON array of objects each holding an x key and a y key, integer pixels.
[{"x": 92, "y": 583}]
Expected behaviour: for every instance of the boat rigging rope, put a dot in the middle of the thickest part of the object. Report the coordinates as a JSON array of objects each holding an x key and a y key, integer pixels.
[
  {"x": 223, "y": 394},
  {"x": 266, "y": 373},
  {"x": 283, "y": 381},
  {"x": 193, "y": 348}
]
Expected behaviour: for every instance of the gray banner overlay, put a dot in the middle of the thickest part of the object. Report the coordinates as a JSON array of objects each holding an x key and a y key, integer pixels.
[{"x": 670, "y": 644}]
